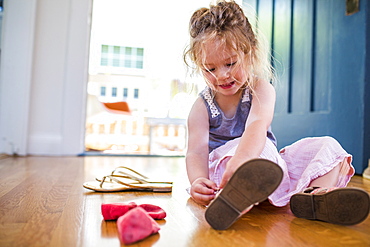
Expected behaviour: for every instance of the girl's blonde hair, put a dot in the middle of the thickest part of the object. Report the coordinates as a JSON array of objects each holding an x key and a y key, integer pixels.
[{"x": 226, "y": 23}]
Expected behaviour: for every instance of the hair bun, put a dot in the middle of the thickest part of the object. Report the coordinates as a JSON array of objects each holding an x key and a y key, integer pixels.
[{"x": 223, "y": 16}]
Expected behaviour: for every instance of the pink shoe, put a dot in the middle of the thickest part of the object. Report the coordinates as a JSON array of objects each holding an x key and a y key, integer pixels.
[
  {"x": 136, "y": 225},
  {"x": 112, "y": 211},
  {"x": 344, "y": 206}
]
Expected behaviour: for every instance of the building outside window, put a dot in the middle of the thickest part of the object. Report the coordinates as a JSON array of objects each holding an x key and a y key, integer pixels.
[{"x": 122, "y": 56}]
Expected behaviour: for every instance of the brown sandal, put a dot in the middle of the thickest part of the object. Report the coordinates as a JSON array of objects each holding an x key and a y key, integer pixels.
[
  {"x": 251, "y": 183},
  {"x": 343, "y": 206}
]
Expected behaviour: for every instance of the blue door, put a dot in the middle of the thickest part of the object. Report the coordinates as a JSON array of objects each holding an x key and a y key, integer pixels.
[{"x": 320, "y": 63}]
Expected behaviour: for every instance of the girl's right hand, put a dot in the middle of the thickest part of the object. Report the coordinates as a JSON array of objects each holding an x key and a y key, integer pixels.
[{"x": 203, "y": 190}]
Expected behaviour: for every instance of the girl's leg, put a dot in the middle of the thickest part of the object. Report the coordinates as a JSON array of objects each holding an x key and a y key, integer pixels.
[{"x": 332, "y": 178}]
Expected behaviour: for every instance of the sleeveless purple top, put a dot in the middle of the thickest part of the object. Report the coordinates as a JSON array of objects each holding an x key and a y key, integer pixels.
[{"x": 223, "y": 129}]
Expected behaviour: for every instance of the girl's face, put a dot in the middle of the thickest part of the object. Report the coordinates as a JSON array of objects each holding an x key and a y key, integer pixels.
[{"x": 222, "y": 68}]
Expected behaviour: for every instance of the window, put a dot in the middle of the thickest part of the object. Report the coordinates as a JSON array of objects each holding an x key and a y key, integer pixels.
[
  {"x": 104, "y": 59},
  {"x": 125, "y": 92},
  {"x": 102, "y": 91},
  {"x": 136, "y": 93},
  {"x": 114, "y": 92},
  {"x": 122, "y": 56}
]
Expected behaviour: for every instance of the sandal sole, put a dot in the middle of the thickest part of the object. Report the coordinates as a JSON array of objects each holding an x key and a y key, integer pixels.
[
  {"x": 344, "y": 206},
  {"x": 251, "y": 183}
]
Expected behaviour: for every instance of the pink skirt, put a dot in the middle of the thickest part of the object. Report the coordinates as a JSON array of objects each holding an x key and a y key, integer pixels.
[{"x": 301, "y": 162}]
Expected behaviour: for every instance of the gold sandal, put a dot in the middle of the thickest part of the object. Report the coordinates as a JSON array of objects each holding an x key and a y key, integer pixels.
[
  {"x": 127, "y": 182},
  {"x": 122, "y": 174}
]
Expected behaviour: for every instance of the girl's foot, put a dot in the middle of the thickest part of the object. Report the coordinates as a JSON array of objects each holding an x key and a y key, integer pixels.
[
  {"x": 251, "y": 183},
  {"x": 344, "y": 206}
]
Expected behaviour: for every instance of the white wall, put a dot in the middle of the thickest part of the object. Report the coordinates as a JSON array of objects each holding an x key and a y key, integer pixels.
[{"x": 43, "y": 76}]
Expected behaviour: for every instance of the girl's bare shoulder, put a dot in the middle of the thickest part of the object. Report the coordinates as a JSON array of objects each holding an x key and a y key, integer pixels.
[{"x": 198, "y": 111}]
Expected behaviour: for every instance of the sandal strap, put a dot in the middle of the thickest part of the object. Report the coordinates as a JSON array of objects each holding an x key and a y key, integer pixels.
[
  {"x": 139, "y": 180},
  {"x": 310, "y": 189},
  {"x": 323, "y": 190},
  {"x": 119, "y": 182},
  {"x": 117, "y": 179},
  {"x": 125, "y": 176},
  {"x": 319, "y": 190},
  {"x": 130, "y": 176},
  {"x": 130, "y": 169},
  {"x": 118, "y": 176}
]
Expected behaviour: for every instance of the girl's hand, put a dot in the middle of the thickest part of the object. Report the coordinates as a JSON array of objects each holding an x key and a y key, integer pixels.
[{"x": 203, "y": 190}]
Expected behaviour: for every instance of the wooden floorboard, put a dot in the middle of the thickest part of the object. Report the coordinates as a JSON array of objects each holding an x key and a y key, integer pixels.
[{"x": 43, "y": 203}]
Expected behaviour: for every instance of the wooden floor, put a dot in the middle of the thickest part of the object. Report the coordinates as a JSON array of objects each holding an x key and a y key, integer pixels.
[{"x": 43, "y": 203}]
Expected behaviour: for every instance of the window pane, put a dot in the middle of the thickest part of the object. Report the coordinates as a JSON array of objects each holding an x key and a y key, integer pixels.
[
  {"x": 104, "y": 49},
  {"x": 140, "y": 51},
  {"x": 128, "y": 50},
  {"x": 104, "y": 62},
  {"x": 136, "y": 93},
  {"x": 139, "y": 64},
  {"x": 116, "y": 50},
  {"x": 102, "y": 91},
  {"x": 114, "y": 92},
  {"x": 125, "y": 92},
  {"x": 128, "y": 63},
  {"x": 116, "y": 62}
]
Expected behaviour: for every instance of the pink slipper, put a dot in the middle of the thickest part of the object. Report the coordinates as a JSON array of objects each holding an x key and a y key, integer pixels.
[
  {"x": 136, "y": 225},
  {"x": 154, "y": 211},
  {"x": 112, "y": 211}
]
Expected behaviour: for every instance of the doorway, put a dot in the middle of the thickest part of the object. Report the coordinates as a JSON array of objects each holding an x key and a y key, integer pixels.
[
  {"x": 136, "y": 67},
  {"x": 323, "y": 84}
]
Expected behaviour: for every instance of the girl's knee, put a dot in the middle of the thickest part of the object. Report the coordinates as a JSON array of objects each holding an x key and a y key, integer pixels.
[
  {"x": 330, "y": 142},
  {"x": 328, "y": 139}
]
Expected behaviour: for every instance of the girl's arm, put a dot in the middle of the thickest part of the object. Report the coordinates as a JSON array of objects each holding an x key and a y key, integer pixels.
[
  {"x": 202, "y": 189},
  {"x": 253, "y": 139},
  {"x": 198, "y": 134}
]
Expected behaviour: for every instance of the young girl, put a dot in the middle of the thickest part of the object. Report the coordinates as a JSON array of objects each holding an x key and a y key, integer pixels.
[{"x": 231, "y": 146}]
